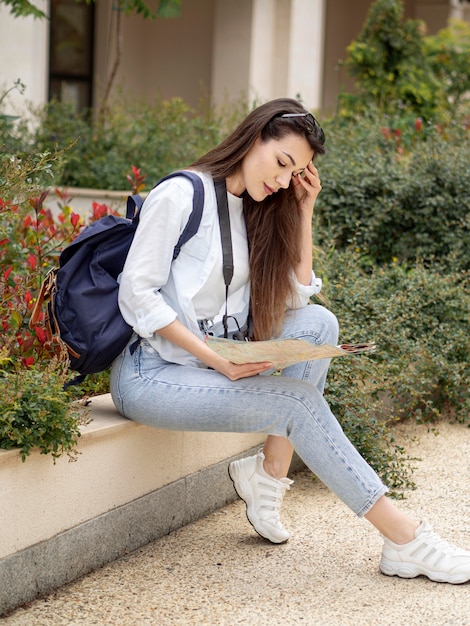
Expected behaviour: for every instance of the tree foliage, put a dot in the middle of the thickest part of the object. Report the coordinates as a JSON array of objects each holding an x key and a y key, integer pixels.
[
  {"x": 148, "y": 10},
  {"x": 389, "y": 63}
]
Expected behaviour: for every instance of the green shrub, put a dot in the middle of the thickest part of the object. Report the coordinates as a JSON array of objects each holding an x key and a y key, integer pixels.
[
  {"x": 159, "y": 137},
  {"x": 448, "y": 53},
  {"x": 419, "y": 319},
  {"x": 397, "y": 193},
  {"x": 35, "y": 412},
  {"x": 389, "y": 64},
  {"x": 34, "y": 409}
]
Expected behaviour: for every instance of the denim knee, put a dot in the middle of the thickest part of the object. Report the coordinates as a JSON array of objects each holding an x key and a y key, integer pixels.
[{"x": 312, "y": 322}]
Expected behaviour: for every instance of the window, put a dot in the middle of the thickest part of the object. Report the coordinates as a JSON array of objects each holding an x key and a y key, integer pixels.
[{"x": 71, "y": 53}]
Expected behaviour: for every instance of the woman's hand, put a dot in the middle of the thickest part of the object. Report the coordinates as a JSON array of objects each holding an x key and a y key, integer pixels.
[
  {"x": 307, "y": 186},
  {"x": 235, "y": 372},
  {"x": 184, "y": 338}
]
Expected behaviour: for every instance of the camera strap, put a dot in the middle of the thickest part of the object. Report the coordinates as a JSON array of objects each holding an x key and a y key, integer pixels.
[{"x": 226, "y": 238}]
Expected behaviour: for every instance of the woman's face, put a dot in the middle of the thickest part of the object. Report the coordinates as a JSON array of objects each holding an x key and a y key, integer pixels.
[{"x": 270, "y": 165}]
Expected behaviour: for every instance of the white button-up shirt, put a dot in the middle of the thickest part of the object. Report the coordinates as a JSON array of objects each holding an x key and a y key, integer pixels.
[{"x": 154, "y": 290}]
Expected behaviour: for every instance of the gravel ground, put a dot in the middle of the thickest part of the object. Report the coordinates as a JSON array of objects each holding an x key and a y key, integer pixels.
[{"x": 217, "y": 571}]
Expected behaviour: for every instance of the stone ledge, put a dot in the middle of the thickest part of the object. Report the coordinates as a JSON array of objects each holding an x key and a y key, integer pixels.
[{"x": 130, "y": 485}]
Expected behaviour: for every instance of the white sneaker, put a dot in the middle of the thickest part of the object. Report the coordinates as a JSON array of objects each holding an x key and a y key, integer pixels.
[
  {"x": 428, "y": 555},
  {"x": 262, "y": 494}
]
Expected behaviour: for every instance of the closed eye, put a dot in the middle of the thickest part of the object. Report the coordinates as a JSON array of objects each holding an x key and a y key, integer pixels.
[{"x": 281, "y": 164}]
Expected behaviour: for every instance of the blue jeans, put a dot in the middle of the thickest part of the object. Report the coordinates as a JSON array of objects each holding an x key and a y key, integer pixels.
[{"x": 149, "y": 390}]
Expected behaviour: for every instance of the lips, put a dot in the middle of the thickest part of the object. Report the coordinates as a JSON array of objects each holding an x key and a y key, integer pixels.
[{"x": 268, "y": 190}]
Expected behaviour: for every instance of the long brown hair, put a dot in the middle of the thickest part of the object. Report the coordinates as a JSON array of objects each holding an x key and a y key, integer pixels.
[{"x": 274, "y": 224}]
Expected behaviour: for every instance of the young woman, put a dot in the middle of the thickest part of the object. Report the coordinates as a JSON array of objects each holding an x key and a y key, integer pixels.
[{"x": 174, "y": 380}]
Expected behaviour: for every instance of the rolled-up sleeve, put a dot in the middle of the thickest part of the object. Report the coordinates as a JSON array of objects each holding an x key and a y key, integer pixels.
[
  {"x": 147, "y": 267},
  {"x": 303, "y": 293}
]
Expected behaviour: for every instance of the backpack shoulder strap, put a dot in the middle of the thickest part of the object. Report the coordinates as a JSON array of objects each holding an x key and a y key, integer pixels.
[{"x": 135, "y": 202}]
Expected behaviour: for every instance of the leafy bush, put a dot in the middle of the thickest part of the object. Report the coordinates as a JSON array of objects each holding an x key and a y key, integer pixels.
[
  {"x": 448, "y": 52},
  {"x": 397, "y": 193},
  {"x": 34, "y": 409},
  {"x": 389, "y": 64},
  {"x": 160, "y": 137},
  {"x": 396, "y": 66},
  {"x": 419, "y": 319}
]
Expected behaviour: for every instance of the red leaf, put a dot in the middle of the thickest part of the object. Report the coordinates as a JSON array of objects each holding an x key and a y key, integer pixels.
[
  {"x": 40, "y": 334},
  {"x": 74, "y": 219},
  {"x": 7, "y": 272},
  {"x": 99, "y": 210},
  {"x": 32, "y": 261}
]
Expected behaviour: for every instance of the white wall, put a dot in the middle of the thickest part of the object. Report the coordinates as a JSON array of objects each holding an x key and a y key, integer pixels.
[{"x": 24, "y": 45}]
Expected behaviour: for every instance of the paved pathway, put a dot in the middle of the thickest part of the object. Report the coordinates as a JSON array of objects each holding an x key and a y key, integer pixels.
[{"x": 218, "y": 572}]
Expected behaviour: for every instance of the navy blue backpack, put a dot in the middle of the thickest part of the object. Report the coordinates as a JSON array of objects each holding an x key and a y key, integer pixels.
[{"x": 81, "y": 295}]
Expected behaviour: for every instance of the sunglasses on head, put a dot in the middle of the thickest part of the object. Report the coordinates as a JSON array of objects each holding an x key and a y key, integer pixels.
[{"x": 311, "y": 124}]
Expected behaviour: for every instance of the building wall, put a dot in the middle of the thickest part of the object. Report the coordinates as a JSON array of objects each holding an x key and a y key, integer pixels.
[
  {"x": 24, "y": 54},
  {"x": 162, "y": 57},
  {"x": 217, "y": 50}
]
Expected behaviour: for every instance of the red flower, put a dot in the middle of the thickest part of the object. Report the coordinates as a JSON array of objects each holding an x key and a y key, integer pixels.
[{"x": 418, "y": 124}]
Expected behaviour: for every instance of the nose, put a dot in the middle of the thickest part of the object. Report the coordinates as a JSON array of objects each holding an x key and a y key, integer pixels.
[{"x": 283, "y": 180}]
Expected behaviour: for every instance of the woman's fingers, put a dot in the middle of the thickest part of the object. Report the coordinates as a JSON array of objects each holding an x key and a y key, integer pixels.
[{"x": 235, "y": 372}]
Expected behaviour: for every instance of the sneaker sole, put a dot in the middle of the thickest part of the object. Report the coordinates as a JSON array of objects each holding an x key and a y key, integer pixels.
[
  {"x": 410, "y": 570},
  {"x": 244, "y": 492}
]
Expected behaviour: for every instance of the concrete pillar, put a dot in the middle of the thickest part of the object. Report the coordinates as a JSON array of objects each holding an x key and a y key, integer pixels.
[
  {"x": 306, "y": 51},
  {"x": 268, "y": 49},
  {"x": 287, "y": 50},
  {"x": 262, "y": 49}
]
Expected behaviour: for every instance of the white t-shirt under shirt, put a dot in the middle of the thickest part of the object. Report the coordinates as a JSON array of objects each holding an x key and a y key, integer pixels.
[{"x": 211, "y": 298}]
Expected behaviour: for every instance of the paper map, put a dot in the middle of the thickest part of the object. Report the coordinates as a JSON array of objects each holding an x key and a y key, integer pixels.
[{"x": 280, "y": 352}]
